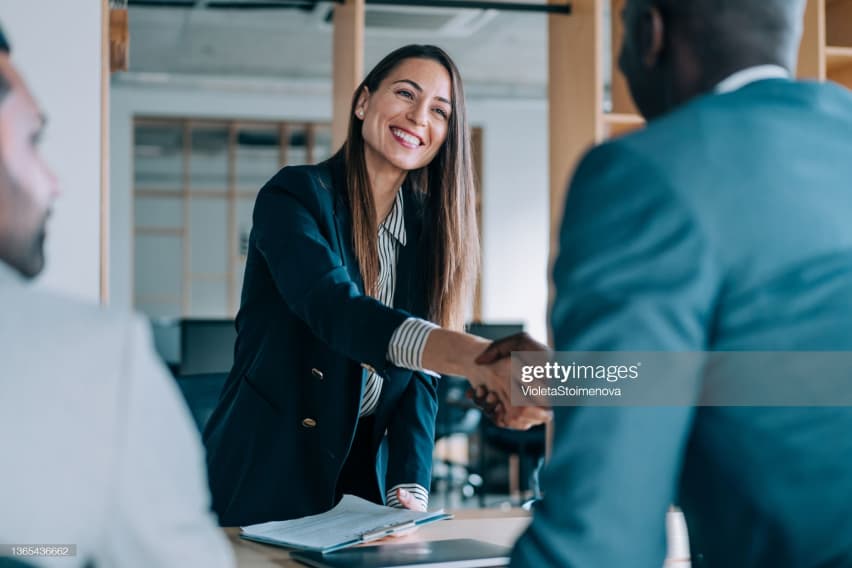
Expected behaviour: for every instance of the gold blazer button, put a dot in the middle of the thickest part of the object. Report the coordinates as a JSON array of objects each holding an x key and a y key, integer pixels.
[
  {"x": 309, "y": 423},
  {"x": 316, "y": 373}
]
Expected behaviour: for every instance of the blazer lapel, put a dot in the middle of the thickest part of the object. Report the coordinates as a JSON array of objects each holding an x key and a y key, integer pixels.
[
  {"x": 409, "y": 286},
  {"x": 343, "y": 225},
  {"x": 343, "y": 221},
  {"x": 407, "y": 295}
]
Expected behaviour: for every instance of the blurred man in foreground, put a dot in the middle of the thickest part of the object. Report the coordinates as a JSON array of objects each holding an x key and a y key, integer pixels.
[
  {"x": 98, "y": 450},
  {"x": 723, "y": 226}
]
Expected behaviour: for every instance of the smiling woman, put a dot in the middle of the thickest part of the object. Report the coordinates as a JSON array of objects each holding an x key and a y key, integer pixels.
[
  {"x": 353, "y": 264},
  {"x": 411, "y": 123}
]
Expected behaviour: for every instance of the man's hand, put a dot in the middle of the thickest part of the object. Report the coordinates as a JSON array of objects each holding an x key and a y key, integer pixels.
[
  {"x": 495, "y": 403},
  {"x": 487, "y": 402},
  {"x": 517, "y": 418},
  {"x": 502, "y": 348}
]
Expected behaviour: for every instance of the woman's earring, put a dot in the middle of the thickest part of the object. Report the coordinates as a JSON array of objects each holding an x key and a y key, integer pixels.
[{"x": 360, "y": 114}]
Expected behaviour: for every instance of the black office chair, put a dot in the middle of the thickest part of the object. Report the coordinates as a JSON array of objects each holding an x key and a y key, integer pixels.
[
  {"x": 525, "y": 449},
  {"x": 456, "y": 415},
  {"x": 526, "y": 454},
  {"x": 201, "y": 392},
  {"x": 206, "y": 345},
  {"x": 166, "y": 333},
  {"x": 8, "y": 562}
]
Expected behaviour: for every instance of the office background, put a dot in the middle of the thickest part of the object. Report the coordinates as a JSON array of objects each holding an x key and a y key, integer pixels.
[
  {"x": 276, "y": 66},
  {"x": 190, "y": 63},
  {"x": 232, "y": 77}
]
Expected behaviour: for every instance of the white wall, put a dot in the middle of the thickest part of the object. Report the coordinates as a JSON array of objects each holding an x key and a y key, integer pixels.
[
  {"x": 56, "y": 45},
  {"x": 515, "y": 200},
  {"x": 515, "y": 212}
]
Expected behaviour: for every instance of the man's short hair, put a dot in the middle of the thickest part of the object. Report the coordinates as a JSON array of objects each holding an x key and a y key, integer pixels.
[
  {"x": 722, "y": 30},
  {"x": 4, "y": 44},
  {"x": 4, "y": 48}
]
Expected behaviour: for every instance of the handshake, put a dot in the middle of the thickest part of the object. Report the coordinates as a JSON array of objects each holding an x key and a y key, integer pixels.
[{"x": 491, "y": 384}]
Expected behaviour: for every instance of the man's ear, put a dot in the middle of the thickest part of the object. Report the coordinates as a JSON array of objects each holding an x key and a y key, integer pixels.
[
  {"x": 363, "y": 102},
  {"x": 652, "y": 36}
]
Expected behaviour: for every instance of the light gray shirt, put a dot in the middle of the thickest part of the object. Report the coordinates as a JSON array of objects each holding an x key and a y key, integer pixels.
[{"x": 99, "y": 450}]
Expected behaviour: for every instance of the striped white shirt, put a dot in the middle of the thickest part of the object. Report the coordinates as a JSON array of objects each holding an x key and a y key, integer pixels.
[{"x": 407, "y": 342}]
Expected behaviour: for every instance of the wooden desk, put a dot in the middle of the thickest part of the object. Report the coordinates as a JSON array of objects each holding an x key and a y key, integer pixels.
[{"x": 489, "y": 525}]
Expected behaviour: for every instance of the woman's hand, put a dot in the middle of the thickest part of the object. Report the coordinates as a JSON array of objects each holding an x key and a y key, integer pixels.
[
  {"x": 495, "y": 378},
  {"x": 487, "y": 365},
  {"x": 454, "y": 353},
  {"x": 407, "y": 500},
  {"x": 517, "y": 417}
]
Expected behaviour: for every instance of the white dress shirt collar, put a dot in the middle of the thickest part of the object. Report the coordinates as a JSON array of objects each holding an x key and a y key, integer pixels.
[
  {"x": 750, "y": 75},
  {"x": 394, "y": 223}
]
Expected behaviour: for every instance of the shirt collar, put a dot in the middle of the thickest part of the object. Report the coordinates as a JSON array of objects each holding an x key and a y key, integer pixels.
[
  {"x": 394, "y": 223},
  {"x": 749, "y": 75}
]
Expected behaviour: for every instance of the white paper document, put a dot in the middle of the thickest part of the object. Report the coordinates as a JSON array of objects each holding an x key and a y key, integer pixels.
[{"x": 352, "y": 521}]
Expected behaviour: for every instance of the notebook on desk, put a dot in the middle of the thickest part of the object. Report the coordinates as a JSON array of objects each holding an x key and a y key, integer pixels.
[
  {"x": 353, "y": 521},
  {"x": 457, "y": 553}
]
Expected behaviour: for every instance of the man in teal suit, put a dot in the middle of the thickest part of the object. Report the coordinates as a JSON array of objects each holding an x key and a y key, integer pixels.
[{"x": 725, "y": 225}]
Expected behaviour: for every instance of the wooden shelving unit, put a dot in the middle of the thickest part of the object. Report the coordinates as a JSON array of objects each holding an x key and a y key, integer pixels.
[
  {"x": 838, "y": 41},
  {"x": 826, "y": 51},
  {"x": 617, "y": 124},
  {"x": 837, "y": 58},
  {"x": 202, "y": 177},
  {"x": 624, "y": 117}
]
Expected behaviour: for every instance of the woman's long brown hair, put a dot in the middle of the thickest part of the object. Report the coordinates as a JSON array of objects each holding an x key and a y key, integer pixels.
[{"x": 447, "y": 186}]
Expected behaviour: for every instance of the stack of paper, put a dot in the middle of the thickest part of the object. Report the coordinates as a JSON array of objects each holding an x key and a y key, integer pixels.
[{"x": 352, "y": 521}]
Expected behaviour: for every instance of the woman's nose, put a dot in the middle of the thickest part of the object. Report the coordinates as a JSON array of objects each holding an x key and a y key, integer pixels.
[{"x": 418, "y": 115}]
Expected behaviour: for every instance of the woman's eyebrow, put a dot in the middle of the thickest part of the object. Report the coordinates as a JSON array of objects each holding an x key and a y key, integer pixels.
[{"x": 420, "y": 89}]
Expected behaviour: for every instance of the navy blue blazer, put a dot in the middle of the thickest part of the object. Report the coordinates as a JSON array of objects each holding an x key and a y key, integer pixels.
[
  {"x": 723, "y": 226},
  {"x": 288, "y": 413}
]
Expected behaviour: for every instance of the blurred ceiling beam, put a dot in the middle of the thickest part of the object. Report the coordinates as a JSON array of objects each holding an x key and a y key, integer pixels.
[
  {"x": 552, "y": 8},
  {"x": 561, "y": 7},
  {"x": 347, "y": 64},
  {"x": 227, "y": 4}
]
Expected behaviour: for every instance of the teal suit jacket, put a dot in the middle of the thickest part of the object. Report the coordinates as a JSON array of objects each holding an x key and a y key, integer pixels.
[{"x": 723, "y": 226}]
